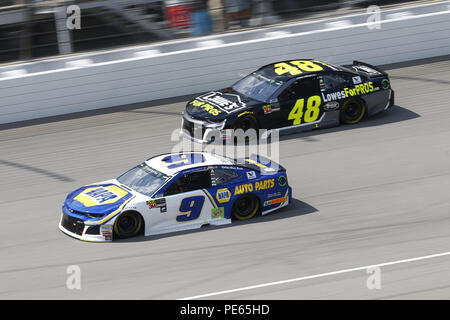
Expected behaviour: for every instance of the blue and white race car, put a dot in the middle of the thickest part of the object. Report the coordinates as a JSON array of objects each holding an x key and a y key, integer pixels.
[{"x": 175, "y": 192}]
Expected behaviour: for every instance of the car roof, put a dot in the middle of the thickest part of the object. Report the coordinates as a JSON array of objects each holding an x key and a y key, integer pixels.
[
  {"x": 269, "y": 70},
  {"x": 172, "y": 163}
]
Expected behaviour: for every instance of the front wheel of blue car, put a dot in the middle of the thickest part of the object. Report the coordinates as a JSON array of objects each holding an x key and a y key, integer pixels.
[{"x": 128, "y": 224}]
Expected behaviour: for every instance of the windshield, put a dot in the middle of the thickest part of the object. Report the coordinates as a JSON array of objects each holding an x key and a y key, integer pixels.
[
  {"x": 257, "y": 86},
  {"x": 143, "y": 179}
]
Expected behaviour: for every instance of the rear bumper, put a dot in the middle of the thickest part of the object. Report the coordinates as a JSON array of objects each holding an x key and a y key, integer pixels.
[
  {"x": 287, "y": 200},
  {"x": 391, "y": 100}
]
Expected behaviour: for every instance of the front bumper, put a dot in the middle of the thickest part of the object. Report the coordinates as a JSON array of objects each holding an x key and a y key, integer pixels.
[
  {"x": 203, "y": 131},
  {"x": 77, "y": 229}
]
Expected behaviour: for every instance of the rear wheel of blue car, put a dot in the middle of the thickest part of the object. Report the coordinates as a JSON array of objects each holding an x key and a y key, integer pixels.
[
  {"x": 245, "y": 207},
  {"x": 128, "y": 224},
  {"x": 352, "y": 111}
]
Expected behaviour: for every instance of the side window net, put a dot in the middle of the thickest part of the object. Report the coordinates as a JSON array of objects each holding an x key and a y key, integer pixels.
[{"x": 222, "y": 176}]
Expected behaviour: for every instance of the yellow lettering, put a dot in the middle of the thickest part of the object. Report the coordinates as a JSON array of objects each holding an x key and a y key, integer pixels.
[
  {"x": 364, "y": 89},
  {"x": 245, "y": 188}
]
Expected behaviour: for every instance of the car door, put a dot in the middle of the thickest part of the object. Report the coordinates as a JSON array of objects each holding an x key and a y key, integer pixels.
[
  {"x": 187, "y": 204},
  {"x": 300, "y": 102}
]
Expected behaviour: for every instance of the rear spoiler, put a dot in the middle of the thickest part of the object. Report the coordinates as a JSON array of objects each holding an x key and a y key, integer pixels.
[
  {"x": 260, "y": 164},
  {"x": 367, "y": 69}
]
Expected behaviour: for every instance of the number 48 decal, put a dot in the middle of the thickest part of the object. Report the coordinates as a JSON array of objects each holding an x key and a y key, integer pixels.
[
  {"x": 297, "y": 67},
  {"x": 312, "y": 110}
]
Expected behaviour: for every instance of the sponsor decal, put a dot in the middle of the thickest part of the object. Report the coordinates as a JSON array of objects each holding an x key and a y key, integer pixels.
[
  {"x": 385, "y": 84},
  {"x": 282, "y": 181},
  {"x": 218, "y": 213},
  {"x": 223, "y": 195},
  {"x": 322, "y": 84},
  {"x": 333, "y": 96},
  {"x": 251, "y": 175},
  {"x": 213, "y": 178},
  {"x": 107, "y": 232},
  {"x": 226, "y": 102},
  {"x": 267, "y": 109},
  {"x": 264, "y": 184},
  {"x": 206, "y": 106},
  {"x": 226, "y": 134},
  {"x": 231, "y": 168},
  {"x": 257, "y": 186},
  {"x": 243, "y": 188},
  {"x": 100, "y": 195},
  {"x": 244, "y": 113},
  {"x": 330, "y": 106},
  {"x": 359, "y": 89},
  {"x": 273, "y": 195},
  {"x": 274, "y": 201},
  {"x": 357, "y": 80},
  {"x": 158, "y": 203}
]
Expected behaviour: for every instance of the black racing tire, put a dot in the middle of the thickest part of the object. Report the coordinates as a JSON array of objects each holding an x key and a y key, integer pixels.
[
  {"x": 352, "y": 111},
  {"x": 128, "y": 224},
  {"x": 247, "y": 123},
  {"x": 245, "y": 207}
]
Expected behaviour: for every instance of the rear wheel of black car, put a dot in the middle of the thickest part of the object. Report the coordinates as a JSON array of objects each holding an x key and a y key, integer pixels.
[
  {"x": 249, "y": 125},
  {"x": 128, "y": 224},
  {"x": 245, "y": 207},
  {"x": 352, "y": 111}
]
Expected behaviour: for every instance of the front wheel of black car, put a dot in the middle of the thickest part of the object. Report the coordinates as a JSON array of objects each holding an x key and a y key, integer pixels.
[
  {"x": 352, "y": 111},
  {"x": 245, "y": 207},
  {"x": 128, "y": 224},
  {"x": 249, "y": 126}
]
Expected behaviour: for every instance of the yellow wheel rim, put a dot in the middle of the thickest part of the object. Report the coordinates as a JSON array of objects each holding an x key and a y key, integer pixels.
[{"x": 363, "y": 112}]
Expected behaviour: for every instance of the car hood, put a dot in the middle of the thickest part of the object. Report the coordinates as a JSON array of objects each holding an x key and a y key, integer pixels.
[
  {"x": 102, "y": 198},
  {"x": 216, "y": 106}
]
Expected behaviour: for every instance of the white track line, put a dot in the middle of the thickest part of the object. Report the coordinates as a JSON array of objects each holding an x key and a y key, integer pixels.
[{"x": 316, "y": 276}]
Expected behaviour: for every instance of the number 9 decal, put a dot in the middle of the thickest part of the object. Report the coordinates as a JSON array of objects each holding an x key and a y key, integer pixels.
[{"x": 190, "y": 208}]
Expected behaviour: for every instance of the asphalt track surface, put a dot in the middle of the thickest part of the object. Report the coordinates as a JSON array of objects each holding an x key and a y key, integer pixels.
[{"x": 364, "y": 195}]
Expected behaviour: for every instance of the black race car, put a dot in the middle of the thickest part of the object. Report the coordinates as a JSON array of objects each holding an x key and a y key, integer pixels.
[{"x": 290, "y": 95}]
